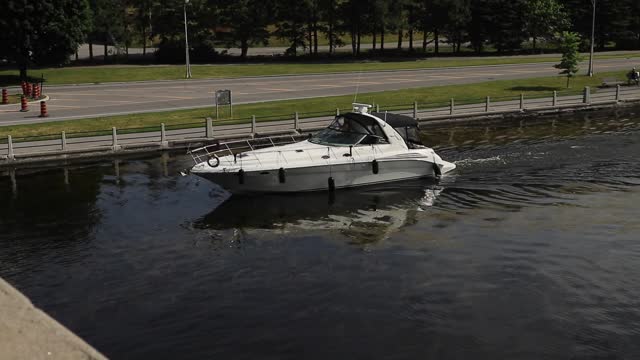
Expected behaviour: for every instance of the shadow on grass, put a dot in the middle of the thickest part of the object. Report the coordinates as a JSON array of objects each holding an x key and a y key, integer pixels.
[{"x": 534, "y": 88}]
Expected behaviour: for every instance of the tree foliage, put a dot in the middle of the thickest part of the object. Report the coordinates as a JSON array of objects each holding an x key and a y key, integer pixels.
[{"x": 44, "y": 32}]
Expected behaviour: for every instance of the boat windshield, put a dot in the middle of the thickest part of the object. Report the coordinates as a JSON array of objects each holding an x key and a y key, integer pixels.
[{"x": 345, "y": 131}]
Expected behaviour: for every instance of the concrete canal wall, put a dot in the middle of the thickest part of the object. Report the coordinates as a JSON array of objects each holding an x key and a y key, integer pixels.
[
  {"x": 64, "y": 147},
  {"x": 28, "y": 333}
]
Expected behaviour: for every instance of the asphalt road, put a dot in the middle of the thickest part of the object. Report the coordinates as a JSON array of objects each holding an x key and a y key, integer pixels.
[{"x": 82, "y": 101}]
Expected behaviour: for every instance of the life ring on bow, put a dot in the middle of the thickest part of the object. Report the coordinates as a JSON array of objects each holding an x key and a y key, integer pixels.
[{"x": 217, "y": 163}]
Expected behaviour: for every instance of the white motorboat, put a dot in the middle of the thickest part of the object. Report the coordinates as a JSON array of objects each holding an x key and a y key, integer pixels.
[{"x": 357, "y": 149}]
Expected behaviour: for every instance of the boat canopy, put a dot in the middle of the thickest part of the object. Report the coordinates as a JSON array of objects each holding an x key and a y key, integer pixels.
[
  {"x": 396, "y": 120},
  {"x": 406, "y": 126}
]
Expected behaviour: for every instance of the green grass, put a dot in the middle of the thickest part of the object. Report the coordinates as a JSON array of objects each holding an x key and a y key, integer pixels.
[
  {"x": 102, "y": 74},
  {"x": 426, "y": 97}
]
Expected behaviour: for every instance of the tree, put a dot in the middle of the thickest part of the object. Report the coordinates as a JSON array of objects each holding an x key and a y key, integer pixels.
[
  {"x": 108, "y": 23},
  {"x": 570, "y": 46},
  {"x": 544, "y": 19},
  {"x": 248, "y": 20},
  {"x": 44, "y": 32}
]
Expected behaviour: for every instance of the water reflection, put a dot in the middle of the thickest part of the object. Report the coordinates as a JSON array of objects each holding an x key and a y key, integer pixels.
[{"x": 364, "y": 215}]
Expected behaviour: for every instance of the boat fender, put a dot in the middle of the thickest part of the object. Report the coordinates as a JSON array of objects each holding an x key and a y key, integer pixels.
[
  {"x": 374, "y": 166},
  {"x": 216, "y": 163},
  {"x": 241, "y": 177},
  {"x": 282, "y": 177},
  {"x": 436, "y": 170},
  {"x": 332, "y": 184}
]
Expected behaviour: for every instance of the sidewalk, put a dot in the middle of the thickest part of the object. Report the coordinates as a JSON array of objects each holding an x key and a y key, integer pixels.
[{"x": 28, "y": 333}]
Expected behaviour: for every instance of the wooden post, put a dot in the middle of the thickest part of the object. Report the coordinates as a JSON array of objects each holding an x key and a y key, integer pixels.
[
  {"x": 451, "y": 107},
  {"x": 10, "y": 155},
  {"x": 587, "y": 95},
  {"x": 208, "y": 128},
  {"x": 521, "y": 101},
  {"x": 618, "y": 99},
  {"x": 487, "y": 104},
  {"x": 555, "y": 98},
  {"x": 63, "y": 140},
  {"x": 163, "y": 137},
  {"x": 296, "y": 121},
  {"x": 114, "y": 139},
  {"x": 415, "y": 110},
  {"x": 253, "y": 125}
]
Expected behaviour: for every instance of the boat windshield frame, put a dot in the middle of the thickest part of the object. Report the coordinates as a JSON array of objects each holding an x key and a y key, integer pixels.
[{"x": 349, "y": 130}]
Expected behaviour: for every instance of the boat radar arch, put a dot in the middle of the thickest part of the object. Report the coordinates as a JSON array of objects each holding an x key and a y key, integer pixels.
[{"x": 361, "y": 108}]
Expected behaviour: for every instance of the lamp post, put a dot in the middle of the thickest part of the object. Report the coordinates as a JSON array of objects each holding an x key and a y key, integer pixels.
[
  {"x": 593, "y": 31},
  {"x": 186, "y": 42}
]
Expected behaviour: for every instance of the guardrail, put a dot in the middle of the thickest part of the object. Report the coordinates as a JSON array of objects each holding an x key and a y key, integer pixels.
[{"x": 183, "y": 135}]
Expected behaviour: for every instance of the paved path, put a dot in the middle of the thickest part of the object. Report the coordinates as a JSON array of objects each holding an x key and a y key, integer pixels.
[{"x": 81, "y": 101}]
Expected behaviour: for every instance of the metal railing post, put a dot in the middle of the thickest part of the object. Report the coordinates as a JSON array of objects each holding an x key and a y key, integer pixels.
[
  {"x": 618, "y": 93},
  {"x": 253, "y": 125},
  {"x": 521, "y": 101},
  {"x": 586, "y": 99},
  {"x": 415, "y": 110},
  {"x": 63, "y": 139},
  {"x": 163, "y": 136},
  {"x": 296, "y": 121},
  {"x": 208, "y": 128},
  {"x": 555, "y": 99},
  {"x": 10, "y": 154},
  {"x": 337, "y": 111},
  {"x": 377, "y": 107},
  {"x": 451, "y": 107},
  {"x": 487, "y": 104},
  {"x": 114, "y": 139}
]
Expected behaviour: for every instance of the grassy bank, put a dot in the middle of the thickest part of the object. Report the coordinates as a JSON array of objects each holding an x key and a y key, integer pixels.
[
  {"x": 426, "y": 97},
  {"x": 104, "y": 74}
]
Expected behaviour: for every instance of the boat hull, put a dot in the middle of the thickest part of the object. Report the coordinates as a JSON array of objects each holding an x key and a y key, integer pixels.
[{"x": 316, "y": 178}]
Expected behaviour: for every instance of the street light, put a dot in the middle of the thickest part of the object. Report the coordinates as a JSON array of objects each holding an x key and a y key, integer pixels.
[
  {"x": 593, "y": 30},
  {"x": 186, "y": 42}
]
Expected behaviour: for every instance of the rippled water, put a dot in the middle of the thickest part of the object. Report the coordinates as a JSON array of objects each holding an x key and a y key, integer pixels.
[{"x": 530, "y": 251}]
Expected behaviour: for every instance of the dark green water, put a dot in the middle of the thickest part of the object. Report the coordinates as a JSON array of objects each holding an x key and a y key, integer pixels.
[{"x": 531, "y": 250}]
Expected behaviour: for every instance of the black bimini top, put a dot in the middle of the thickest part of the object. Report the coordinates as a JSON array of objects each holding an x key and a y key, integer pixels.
[{"x": 396, "y": 120}]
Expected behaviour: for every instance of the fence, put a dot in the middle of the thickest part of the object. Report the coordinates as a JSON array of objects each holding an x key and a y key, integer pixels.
[{"x": 182, "y": 135}]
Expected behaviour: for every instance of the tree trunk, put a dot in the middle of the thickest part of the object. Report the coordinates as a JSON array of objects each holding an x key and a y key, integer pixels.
[
  {"x": 568, "y": 77},
  {"x": 374, "y": 38},
  {"x": 106, "y": 51},
  {"x": 436, "y": 41},
  {"x": 244, "y": 48},
  {"x": 382, "y": 39},
  {"x": 144, "y": 41},
  {"x": 315, "y": 37},
  {"x": 310, "y": 37},
  {"x": 358, "y": 51},
  {"x": 76, "y": 54},
  {"x": 353, "y": 41},
  {"x": 400, "y": 39},
  {"x": 90, "y": 51},
  {"x": 424, "y": 40},
  {"x": 330, "y": 37},
  {"x": 23, "y": 72}
]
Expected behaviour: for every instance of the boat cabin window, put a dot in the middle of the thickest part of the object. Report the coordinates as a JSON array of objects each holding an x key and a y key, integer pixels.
[
  {"x": 411, "y": 135},
  {"x": 351, "y": 130}
]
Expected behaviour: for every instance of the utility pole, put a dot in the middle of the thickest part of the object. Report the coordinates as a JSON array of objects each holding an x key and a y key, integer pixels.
[
  {"x": 593, "y": 32},
  {"x": 186, "y": 42}
]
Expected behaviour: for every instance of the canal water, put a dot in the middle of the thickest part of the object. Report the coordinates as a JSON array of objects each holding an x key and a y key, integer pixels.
[{"x": 531, "y": 250}]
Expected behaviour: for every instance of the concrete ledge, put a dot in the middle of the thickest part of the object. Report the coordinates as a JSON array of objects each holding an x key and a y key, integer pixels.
[{"x": 28, "y": 333}]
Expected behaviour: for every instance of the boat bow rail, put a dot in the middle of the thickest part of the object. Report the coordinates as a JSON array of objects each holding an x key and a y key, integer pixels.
[{"x": 225, "y": 148}]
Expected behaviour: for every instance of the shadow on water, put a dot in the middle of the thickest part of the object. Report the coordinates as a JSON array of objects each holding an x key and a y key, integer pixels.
[{"x": 364, "y": 215}]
